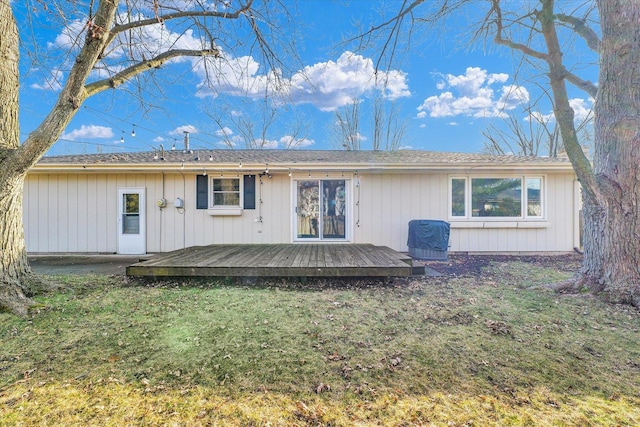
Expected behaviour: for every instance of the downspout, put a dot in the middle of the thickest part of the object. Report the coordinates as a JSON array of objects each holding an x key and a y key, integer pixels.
[
  {"x": 184, "y": 216},
  {"x": 577, "y": 217},
  {"x": 161, "y": 214}
]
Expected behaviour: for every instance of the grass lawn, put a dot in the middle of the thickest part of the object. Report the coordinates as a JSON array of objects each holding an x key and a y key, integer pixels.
[{"x": 485, "y": 347}]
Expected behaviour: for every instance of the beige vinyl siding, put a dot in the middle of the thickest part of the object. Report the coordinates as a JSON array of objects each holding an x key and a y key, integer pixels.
[
  {"x": 195, "y": 227},
  {"x": 77, "y": 212},
  {"x": 70, "y": 213},
  {"x": 389, "y": 201}
]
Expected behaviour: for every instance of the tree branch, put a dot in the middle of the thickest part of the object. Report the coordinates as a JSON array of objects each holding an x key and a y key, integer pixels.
[
  {"x": 585, "y": 85},
  {"x": 499, "y": 39},
  {"x": 580, "y": 27},
  {"x": 132, "y": 71},
  {"x": 561, "y": 107},
  {"x": 73, "y": 94},
  {"x": 398, "y": 17},
  {"x": 119, "y": 28}
]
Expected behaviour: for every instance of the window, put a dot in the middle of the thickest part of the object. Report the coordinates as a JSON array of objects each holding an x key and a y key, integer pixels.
[
  {"x": 496, "y": 197},
  {"x": 225, "y": 192},
  {"x": 458, "y": 197},
  {"x": 227, "y": 196}
]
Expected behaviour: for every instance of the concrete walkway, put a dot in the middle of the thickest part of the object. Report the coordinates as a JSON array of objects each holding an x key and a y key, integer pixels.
[{"x": 81, "y": 264}]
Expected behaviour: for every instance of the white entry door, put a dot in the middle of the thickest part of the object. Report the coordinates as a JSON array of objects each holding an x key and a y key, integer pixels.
[{"x": 132, "y": 236}]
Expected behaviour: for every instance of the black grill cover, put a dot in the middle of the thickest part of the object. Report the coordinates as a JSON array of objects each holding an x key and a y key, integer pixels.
[{"x": 428, "y": 234}]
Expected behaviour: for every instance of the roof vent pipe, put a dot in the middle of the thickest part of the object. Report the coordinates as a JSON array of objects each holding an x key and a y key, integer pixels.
[{"x": 186, "y": 142}]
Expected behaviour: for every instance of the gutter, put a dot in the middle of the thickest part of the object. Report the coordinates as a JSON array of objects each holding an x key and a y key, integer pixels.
[{"x": 199, "y": 166}]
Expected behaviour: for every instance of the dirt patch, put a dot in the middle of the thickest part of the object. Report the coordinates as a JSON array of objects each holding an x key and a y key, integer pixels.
[{"x": 459, "y": 265}]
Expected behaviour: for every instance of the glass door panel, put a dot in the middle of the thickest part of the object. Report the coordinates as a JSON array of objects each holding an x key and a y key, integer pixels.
[
  {"x": 308, "y": 210},
  {"x": 333, "y": 209},
  {"x": 321, "y": 209}
]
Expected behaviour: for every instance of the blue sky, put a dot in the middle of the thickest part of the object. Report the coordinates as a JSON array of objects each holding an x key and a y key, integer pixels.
[{"x": 445, "y": 94}]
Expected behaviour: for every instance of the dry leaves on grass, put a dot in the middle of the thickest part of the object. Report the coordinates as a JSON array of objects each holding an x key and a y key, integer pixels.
[{"x": 497, "y": 327}]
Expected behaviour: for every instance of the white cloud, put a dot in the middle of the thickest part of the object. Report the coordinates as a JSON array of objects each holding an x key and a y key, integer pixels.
[
  {"x": 359, "y": 137},
  {"x": 158, "y": 139},
  {"x": 580, "y": 109},
  {"x": 88, "y": 132},
  {"x": 70, "y": 37},
  {"x": 225, "y": 131},
  {"x": 266, "y": 143},
  {"x": 53, "y": 82},
  {"x": 326, "y": 85},
  {"x": 289, "y": 141},
  {"x": 182, "y": 129},
  {"x": 471, "y": 94},
  {"x": 512, "y": 96}
]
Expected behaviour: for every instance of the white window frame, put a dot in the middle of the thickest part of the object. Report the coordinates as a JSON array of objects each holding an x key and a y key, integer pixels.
[
  {"x": 468, "y": 197},
  {"x": 225, "y": 209}
]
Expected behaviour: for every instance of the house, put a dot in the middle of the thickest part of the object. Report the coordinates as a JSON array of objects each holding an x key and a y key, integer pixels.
[{"x": 159, "y": 201}]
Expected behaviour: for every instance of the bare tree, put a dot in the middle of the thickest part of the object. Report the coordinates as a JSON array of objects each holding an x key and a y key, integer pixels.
[
  {"x": 520, "y": 137},
  {"x": 348, "y": 125},
  {"x": 388, "y": 128},
  {"x": 105, "y": 29},
  {"x": 611, "y": 187},
  {"x": 535, "y": 134},
  {"x": 250, "y": 124}
]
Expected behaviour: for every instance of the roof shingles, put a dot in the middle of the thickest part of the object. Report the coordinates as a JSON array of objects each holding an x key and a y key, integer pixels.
[{"x": 293, "y": 157}]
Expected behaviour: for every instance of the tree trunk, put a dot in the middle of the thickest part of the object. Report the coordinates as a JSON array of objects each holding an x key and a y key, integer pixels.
[
  {"x": 612, "y": 223},
  {"x": 14, "y": 268},
  {"x": 14, "y": 272}
]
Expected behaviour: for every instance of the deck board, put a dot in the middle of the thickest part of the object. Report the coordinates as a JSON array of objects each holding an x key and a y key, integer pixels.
[{"x": 277, "y": 260}]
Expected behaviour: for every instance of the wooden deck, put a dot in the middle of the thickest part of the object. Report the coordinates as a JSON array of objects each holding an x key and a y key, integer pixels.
[{"x": 277, "y": 260}]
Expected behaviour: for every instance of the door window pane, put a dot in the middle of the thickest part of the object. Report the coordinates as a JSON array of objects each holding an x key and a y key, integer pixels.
[
  {"x": 131, "y": 214},
  {"x": 333, "y": 208},
  {"x": 131, "y": 203},
  {"x": 308, "y": 209}
]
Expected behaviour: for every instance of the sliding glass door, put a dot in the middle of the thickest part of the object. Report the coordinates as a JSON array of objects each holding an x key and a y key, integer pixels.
[{"x": 321, "y": 209}]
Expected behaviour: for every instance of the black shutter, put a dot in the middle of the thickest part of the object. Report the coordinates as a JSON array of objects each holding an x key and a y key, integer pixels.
[
  {"x": 202, "y": 192},
  {"x": 249, "y": 191}
]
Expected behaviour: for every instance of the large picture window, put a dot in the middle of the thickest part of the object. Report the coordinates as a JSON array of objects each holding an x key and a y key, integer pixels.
[{"x": 514, "y": 197}]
